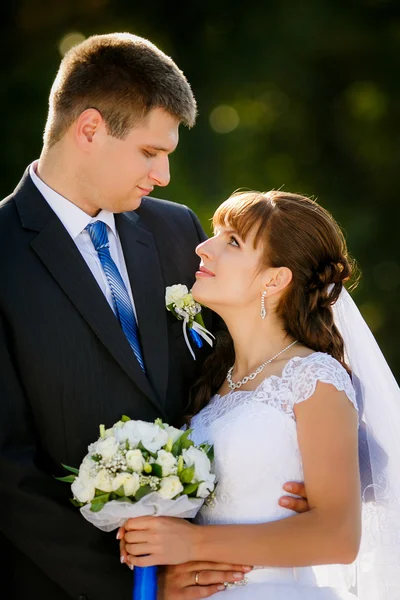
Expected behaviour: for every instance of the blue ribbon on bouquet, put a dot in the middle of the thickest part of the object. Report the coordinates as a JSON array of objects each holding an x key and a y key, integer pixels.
[{"x": 144, "y": 583}]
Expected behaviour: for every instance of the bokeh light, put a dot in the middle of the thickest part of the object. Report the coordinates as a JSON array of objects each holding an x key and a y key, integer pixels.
[
  {"x": 224, "y": 119},
  {"x": 69, "y": 41}
]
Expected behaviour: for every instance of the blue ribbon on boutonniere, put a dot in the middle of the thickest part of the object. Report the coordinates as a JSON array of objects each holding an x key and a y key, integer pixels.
[{"x": 183, "y": 306}]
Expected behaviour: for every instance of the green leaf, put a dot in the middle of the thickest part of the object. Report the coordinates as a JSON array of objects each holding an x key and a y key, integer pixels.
[
  {"x": 124, "y": 418},
  {"x": 76, "y": 502},
  {"x": 187, "y": 444},
  {"x": 72, "y": 469},
  {"x": 156, "y": 470},
  {"x": 67, "y": 478},
  {"x": 96, "y": 506},
  {"x": 125, "y": 499},
  {"x": 199, "y": 319},
  {"x": 142, "y": 491},
  {"x": 187, "y": 475},
  {"x": 179, "y": 444},
  {"x": 96, "y": 457},
  {"x": 120, "y": 491},
  {"x": 99, "y": 501},
  {"x": 145, "y": 450},
  {"x": 191, "y": 488}
]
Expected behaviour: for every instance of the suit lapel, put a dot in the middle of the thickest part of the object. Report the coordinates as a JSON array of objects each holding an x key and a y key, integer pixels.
[
  {"x": 58, "y": 252},
  {"x": 148, "y": 289}
]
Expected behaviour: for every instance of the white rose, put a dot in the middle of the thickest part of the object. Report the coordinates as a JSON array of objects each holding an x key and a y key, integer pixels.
[
  {"x": 134, "y": 460},
  {"x": 107, "y": 447},
  {"x": 175, "y": 293},
  {"x": 206, "y": 487},
  {"x": 198, "y": 458},
  {"x": 152, "y": 436},
  {"x": 83, "y": 489},
  {"x": 103, "y": 481},
  {"x": 170, "y": 487},
  {"x": 85, "y": 470},
  {"x": 130, "y": 483},
  {"x": 167, "y": 462},
  {"x": 128, "y": 432}
]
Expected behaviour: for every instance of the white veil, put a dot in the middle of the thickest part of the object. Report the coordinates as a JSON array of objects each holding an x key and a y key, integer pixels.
[{"x": 376, "y": 573}]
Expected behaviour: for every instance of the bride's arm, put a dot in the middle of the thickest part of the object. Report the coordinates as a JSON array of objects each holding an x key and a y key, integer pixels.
[{"x": 328, "y": 533}]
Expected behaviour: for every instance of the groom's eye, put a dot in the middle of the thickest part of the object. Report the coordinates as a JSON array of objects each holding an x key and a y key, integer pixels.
[{"x": 149, "y": 154}]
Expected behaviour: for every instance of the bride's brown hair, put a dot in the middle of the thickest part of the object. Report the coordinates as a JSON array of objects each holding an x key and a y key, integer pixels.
[{"x": 297, "y": 233}]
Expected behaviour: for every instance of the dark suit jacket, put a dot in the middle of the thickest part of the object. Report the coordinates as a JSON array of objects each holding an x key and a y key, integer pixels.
[{"x": 66, "y": 367}]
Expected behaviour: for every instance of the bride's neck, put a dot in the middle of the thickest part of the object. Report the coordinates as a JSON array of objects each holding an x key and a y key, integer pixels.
[{"x": 255, "y": 342}]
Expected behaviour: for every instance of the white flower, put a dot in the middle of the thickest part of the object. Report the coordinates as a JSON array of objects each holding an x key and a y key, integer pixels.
[
  {"x": 175, "y": 293},
  {"x": 107, "y": 447},
  {"x": 198, "y": 458},
  {"x": 170, "y": 487},
  {"x": 173, "y": 433},
  {"x": 134, "y": 460},
  {"x": 83, "y": 489},
  {"x": 206, "y": 487},
  {"x": 167, "y": 462},
  {"x": 130, "y": 483},
  {"x": 152, "y": 436},
  {"x": 103, "y": 481}
]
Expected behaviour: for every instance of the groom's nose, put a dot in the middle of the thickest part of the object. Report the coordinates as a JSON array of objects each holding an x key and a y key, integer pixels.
[{"x": 160, "y": 171}]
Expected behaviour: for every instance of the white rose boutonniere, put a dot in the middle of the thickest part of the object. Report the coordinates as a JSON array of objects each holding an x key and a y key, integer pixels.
[{"x": 184, "y": 307}]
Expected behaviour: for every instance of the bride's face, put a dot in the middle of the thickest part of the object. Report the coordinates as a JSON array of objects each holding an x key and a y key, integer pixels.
[{"x": 229, "y": 274}]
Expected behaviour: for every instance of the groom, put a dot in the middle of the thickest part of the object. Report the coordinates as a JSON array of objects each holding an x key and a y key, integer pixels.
[{"x": 84, "y": 333}]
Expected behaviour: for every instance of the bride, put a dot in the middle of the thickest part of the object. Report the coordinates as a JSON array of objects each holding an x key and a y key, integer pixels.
[{"x": 277, "y": 400}]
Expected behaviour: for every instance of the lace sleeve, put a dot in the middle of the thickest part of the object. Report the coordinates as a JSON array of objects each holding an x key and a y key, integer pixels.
[{"x": 320, "y": 367}]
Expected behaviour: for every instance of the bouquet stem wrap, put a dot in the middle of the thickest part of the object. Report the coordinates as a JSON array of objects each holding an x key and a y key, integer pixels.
[{"x": 144, "y": 583}]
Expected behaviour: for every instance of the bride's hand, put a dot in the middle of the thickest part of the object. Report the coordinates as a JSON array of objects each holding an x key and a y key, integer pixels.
[{"x": 159, "y": 541}]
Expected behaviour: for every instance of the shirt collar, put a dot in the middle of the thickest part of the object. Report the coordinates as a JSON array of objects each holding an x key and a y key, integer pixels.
[{"x": 71, "y": 216}]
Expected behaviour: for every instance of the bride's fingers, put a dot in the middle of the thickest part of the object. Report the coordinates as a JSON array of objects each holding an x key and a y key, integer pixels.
[
  {"x": 136, "y": 537},
  {"x": 122, "y": 551},
  {"x": 141, "y": 549}
]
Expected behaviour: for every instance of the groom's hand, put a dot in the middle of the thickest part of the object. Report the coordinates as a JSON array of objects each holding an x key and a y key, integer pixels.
[
  {"x": 300, "y": 504},
  {"x": 178, "y": 582}
]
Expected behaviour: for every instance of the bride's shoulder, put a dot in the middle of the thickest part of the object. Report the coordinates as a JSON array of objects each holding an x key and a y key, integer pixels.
[{"x": 307, "y": 371}]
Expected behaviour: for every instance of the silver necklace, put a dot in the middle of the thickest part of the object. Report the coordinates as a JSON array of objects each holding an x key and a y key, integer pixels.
[{"x": 236, "y": 386}]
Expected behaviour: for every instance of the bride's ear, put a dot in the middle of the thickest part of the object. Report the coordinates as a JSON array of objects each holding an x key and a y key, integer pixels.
[{"x": 276, "y": 280}]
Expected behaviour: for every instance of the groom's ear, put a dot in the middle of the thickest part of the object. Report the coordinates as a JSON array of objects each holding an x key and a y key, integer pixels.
[
  {"x": 277, "y": 279},
  {"x": 88, "y": 124}
]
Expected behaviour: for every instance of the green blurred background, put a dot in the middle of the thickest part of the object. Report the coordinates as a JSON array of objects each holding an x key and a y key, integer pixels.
[{"x": 303, "y": 96}]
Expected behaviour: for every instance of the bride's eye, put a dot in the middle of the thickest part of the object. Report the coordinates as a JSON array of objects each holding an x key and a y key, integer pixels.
[{"x": 233, "y": 241}]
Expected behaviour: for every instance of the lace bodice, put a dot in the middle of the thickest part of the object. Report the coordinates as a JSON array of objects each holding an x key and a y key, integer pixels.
[{"x": 255, "y": 439}]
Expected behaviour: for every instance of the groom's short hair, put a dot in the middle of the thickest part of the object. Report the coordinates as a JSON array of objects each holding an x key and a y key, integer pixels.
[{"x": 123, "y": 76}]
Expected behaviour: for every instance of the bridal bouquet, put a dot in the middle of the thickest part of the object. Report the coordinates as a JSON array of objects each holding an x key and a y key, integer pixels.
[{"x": 137, "y": 469}]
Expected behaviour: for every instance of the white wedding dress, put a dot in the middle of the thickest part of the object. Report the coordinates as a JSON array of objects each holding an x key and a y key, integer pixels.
[{"x": 256, "y": 452}]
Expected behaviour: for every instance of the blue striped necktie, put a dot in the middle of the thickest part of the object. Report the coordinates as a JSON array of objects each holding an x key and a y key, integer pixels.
[{"x": 121, "y": 300}]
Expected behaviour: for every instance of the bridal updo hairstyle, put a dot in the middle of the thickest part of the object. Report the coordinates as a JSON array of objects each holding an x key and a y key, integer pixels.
[{"x": 297, "y": 233}]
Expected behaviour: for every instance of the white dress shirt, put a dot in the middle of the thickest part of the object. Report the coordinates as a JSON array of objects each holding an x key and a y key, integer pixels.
[{"x": 75, "y": 220}]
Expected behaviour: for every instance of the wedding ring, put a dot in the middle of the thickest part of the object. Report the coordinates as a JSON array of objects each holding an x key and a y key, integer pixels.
[{"x": 196, "y": 578}]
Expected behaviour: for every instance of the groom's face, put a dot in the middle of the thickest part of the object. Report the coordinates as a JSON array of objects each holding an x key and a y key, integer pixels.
[{"x": 123, "y": 171}]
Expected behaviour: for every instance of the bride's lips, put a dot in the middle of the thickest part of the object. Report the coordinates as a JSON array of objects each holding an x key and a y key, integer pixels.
[{"x": 203, "y": 272}]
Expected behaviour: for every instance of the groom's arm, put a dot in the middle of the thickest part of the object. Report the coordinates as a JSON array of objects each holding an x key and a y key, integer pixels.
[{"x": 35, "y": 515}]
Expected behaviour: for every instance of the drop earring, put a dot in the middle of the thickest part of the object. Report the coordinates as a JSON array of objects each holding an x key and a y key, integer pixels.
[{"x": 263, "y": 311}]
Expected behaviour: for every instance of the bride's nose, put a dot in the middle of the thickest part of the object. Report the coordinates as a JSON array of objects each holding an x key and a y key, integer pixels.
[{"x": 204, "y": 249}]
